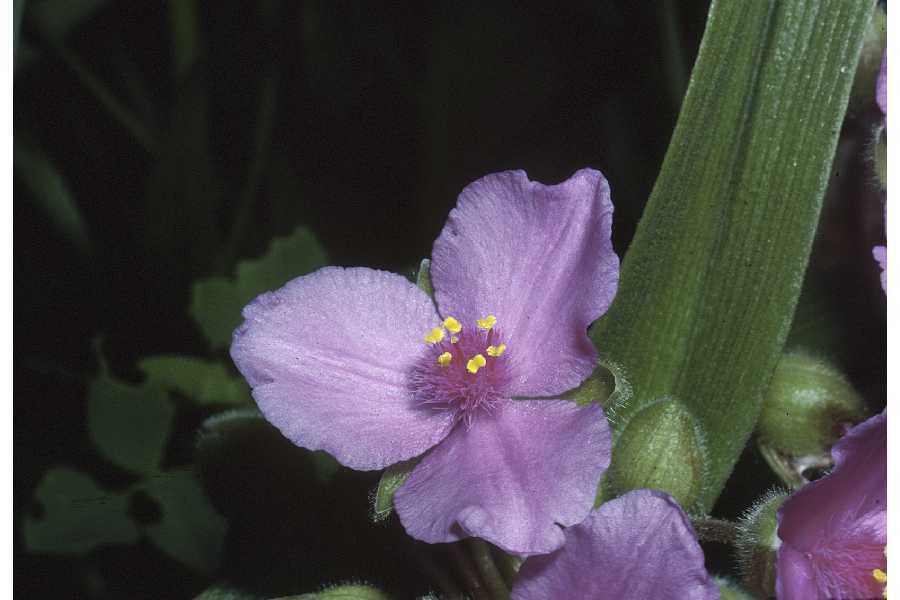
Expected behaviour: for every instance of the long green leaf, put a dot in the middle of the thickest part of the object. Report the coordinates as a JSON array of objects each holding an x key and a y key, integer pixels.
[{"x": 709, "y": 285}]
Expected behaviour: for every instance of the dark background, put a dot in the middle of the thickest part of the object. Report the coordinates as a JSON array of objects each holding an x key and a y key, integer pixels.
[{"x": 362, "y": 121}]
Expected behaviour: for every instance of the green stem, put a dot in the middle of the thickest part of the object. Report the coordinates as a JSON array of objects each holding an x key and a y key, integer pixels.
[
  {"x": 490, "y": 574},
  {"x": 509, "y": 565},
  {"x": 469, "y": 574},
  {"x": 709, "y": 529},
  {"x": 449, "y": 589}
]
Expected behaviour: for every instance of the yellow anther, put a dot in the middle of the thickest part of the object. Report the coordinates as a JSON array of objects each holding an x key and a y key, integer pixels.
[
  {"x": 475, "y": 363},
  {"x": 496, "y": 350},
  {"x": 436, "y": 335},
  {"x": 444, "y": 359},
  {"x": 452, "y": 325},
  {"x": 454, "y": 339},
  {"x": 487, "y": 322},
  {"x": 879, "y": 575}
]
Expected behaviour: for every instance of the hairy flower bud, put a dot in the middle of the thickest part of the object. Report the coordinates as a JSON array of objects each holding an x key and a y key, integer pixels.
[
  {"x": 808, "y": 406},
  {"x": 728, "y": 590},
  {"x": 757, "y": 544},
  {"x": 879, "y": 154},
  {"x": 662, "y": 448},
  {"x": 869, "y": 62}
]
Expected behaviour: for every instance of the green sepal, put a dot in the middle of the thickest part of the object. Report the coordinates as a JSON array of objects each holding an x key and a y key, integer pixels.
[
  {"x": 78, "y": 515},
  {"x": 392, "y": 478},
  {"x": 216, "y": 302},
  {"x": 203, "y": 381},
  {"x": 423, "y": 278},
  {"x": 607, "y": 385}
]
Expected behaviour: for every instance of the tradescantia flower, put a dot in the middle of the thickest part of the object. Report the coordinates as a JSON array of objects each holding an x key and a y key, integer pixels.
[
  {"x": 640, "y": 545},
  {"x": 363, "y": 364},
  {"x": 834, "y": 530}
]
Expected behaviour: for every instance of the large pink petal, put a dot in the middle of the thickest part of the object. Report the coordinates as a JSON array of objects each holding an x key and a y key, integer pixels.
[
  {"x": 636, "y": 547},
  {"x": 540, "y": 259},
  {"x": 512, "y": 478},
  {"x": 328, "y": 357},
  {"x": 838, "y": 524}
]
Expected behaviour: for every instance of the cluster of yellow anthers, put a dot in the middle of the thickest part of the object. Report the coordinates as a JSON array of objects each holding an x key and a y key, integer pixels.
[
  {"x": 881, "y": 577},
  {"x": 437, "y": 335}
]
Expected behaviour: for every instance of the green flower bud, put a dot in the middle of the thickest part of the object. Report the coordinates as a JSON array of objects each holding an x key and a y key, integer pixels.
[
  {"x": 728, "y": 590},
  {"x": 807, "y": 407},
  {"x": 879, "y": 155},
  {"x": 863, "y": 90},
  {"x": 661, "y": 447},
  {"x": 757, "y": 545},
  {"x": 344, "y": 592}
]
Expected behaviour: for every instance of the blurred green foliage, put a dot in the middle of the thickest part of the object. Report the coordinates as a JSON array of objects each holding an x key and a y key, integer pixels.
[
  {"x": 78, "y": 515},
  {"x": 216, "y": 302}
]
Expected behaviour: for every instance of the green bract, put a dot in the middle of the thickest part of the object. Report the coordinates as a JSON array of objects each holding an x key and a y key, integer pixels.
[{"x": 709, "y": 284}]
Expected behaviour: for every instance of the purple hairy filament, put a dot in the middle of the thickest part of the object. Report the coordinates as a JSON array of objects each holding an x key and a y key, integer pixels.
[{"x": 464, "y": 368}]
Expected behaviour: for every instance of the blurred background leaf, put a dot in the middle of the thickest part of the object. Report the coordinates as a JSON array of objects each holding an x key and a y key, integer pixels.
[
  {"x": 57, "y": 18},
  {"x": 77, "y": 516},
  {"x": 48, "y": 190},
  {"x": 203, "y": 381},
  {"x": 216, "y": 302},
  {"x": 189, "y": 528},
  {"x": 130, "y": 425}
]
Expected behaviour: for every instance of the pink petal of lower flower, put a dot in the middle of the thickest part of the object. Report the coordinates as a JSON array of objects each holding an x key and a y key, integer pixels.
[
  {"x": 879, "y": 253},
  {"x": 541, "y": 260},
  {"x": 328, "y": 357},
  {"x": 512, "y": 478},
  {"x": 635, "y": 547},
  {"x": 838, "y": 524},
  {"x": 795, "y": 576}
]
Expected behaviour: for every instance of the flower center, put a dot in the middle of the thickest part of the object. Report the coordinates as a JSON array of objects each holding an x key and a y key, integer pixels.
[{"x": 464, "y": 367}]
